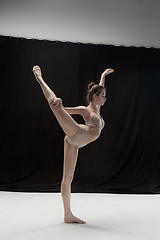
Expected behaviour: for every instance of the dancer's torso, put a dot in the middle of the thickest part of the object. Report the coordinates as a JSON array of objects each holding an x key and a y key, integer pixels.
[{"x": 95, "y": 124}]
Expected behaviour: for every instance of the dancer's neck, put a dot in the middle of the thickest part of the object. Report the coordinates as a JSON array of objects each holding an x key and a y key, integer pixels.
[{"x": 93, "y": 107}]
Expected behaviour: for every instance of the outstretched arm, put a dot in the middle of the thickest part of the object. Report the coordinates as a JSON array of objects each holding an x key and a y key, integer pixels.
[
  {"x": 106, "y": 72},
  {"x": 81, "y": 110}
]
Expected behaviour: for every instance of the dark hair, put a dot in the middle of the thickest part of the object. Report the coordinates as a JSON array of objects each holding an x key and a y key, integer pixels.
[{"x": 93, "y": 89}]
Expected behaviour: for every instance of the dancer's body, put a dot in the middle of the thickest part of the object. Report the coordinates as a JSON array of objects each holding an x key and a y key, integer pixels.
[{"x": 77, "y": 135}]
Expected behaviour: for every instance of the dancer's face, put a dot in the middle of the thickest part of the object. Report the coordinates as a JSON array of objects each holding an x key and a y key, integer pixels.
[{"x": 101, "y": 98}]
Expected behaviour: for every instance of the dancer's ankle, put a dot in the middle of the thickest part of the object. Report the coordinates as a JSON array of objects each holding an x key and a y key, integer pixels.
[
  {"x": 40, "y": 80},
  {"x": 67, "y": 214}
]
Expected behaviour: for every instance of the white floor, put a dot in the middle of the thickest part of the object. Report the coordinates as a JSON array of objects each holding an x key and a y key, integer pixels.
[{"x": 30, "y": 216}]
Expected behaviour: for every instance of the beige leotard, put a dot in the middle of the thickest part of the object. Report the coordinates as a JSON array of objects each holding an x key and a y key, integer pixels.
[{"x": 87, "y": 133}]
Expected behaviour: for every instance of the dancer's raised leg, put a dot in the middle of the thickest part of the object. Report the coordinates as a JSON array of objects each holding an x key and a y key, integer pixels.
[
  {"x": 68, "y": 124},
  {"x": 70, "y": 160},
  {"x": 48, "y": 93}
]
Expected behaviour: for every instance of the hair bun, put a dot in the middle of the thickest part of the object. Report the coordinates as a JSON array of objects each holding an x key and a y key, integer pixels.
[{"x": 90, "y": 85}]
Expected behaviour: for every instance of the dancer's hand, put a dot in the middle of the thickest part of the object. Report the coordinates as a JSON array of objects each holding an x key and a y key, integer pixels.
[
  {"x": 54, "y": 102},
  {"x": 108, "y": 71}
]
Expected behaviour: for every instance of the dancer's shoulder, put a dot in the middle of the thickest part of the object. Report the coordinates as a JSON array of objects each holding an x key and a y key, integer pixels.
[{"x": 84, "y": 111}]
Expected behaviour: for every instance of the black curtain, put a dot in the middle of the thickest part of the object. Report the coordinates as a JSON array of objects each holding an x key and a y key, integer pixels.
[{"x": 126, "y": 157}]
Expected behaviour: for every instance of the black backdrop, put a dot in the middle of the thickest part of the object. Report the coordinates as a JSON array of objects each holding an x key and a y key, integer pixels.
[{"x": 126, "y": 157}]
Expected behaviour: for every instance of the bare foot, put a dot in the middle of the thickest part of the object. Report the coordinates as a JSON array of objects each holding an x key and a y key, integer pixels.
[
  {"x": 37, "y": 73},
  {"x": 72, "y": 219}
]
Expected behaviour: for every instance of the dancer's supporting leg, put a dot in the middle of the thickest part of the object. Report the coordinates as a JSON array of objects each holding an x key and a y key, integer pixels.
[
  {"x": 70, "y": 160},
  {"x": 70, "y": 127}
]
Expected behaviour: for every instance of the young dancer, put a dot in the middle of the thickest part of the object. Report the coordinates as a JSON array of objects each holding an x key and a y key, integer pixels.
[{"x": 77, "y": 135}]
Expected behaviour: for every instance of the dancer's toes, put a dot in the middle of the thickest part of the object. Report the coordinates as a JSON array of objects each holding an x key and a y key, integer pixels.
[
  {"x": 73, "y": 219},
  {"x": 37, "y": 73}
]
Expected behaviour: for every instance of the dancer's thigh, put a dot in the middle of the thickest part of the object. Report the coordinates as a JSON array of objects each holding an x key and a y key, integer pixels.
[
  {"x": 70, "y": 160},
  {"x": 68, "y": 124}
]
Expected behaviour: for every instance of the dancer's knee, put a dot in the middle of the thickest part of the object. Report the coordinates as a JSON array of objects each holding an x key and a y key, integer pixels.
[
  {"x": 55, "y": 102},
  {"x": 67, "y": 179}
]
